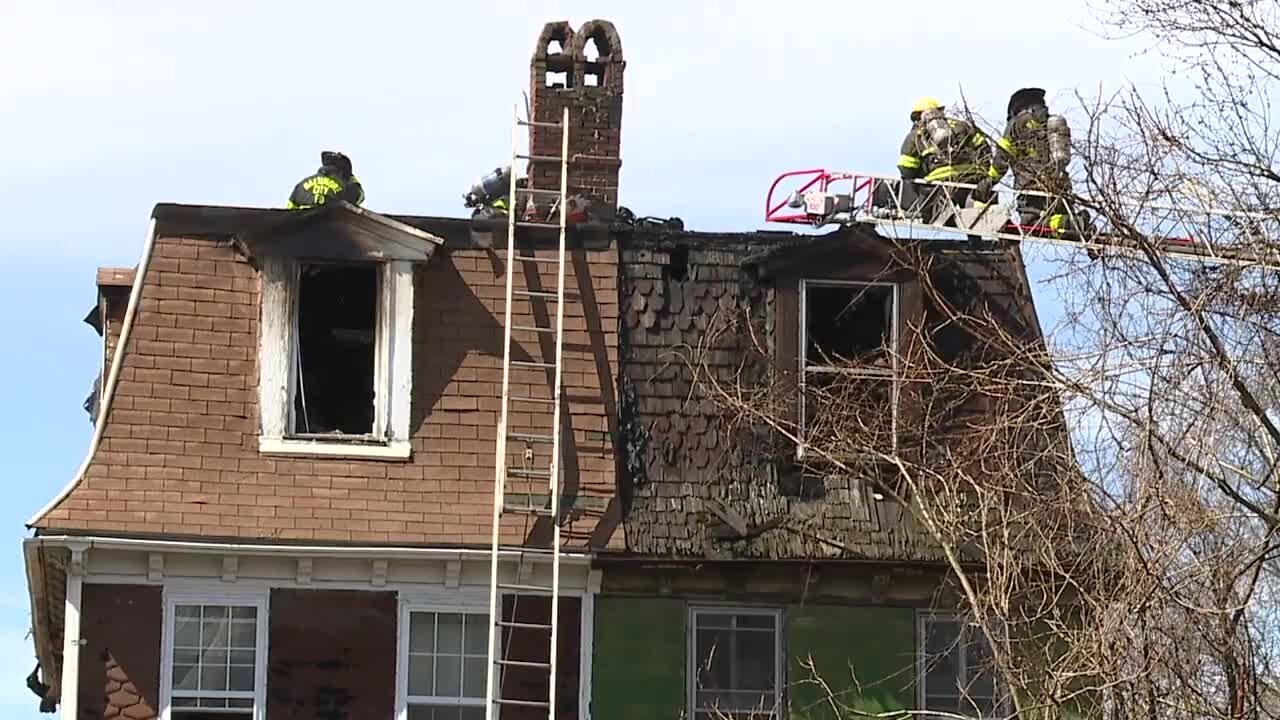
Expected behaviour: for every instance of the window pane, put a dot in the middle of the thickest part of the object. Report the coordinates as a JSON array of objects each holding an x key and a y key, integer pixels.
[
  {"x": 242, "y": 657},
  {"x": 477, "y": 634},
  {"x": 762, "y": 622},
  {"x": 449, "y": 633},
  {"x": 186, "y": 657},
  {"x": 422, "y": 632},
  {"x": 213, "y": 657},
  {"x": 213, "y": 677},
  {"x": 210, "y": 715},
  {"x": 213, "y": 629},
  {"x": 713, "y": 620},
  {"x": 186, "y": 630},
  {"x": 245, "y": 612},
  {"x": 184, "y": 677},
  {"x": 978, "y": 663},
  {"x": 471, "y": 712},
  {"x": 421, "y": 669},
  {"x": 754, "y": 661},
  {"x": 243, "y": 633},
  {"x": 448, "y": 675},
  {"x": 241, "y": 678},
  {"x": 473, "y": 676},
  {"x": 942, "y": 662},
  {"x": 713, "y": 648}
]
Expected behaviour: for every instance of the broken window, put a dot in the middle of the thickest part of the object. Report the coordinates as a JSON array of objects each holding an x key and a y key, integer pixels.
[
  {"x": 849, "y": 381},
  {"x": 737, "y": 673},
  {"x": 335, "y": 350}
]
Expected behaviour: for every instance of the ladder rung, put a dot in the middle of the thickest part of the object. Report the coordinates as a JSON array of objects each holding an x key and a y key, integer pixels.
[
  {"x": 529, "y": 224},
  {"x": 532, "y": 328},
  {"x": 516, "y": 587},
  {"x": 525, "y": 472},
  {"x": 549, "y": 158},
  {"x": 522, "y": 626},
  {"x": 539, "y": 123},
  {"x": 523, "y": 703},
  {"x": 526, "y": 550},
  {"x": 538, "y": 510},
  {"x": 531, "y": 258},
  {"x": 536, "y": 294},
  {"x": 535, "y": 364},
  {"x": 539, "y": 401},
  {"x": 524, "y": 663},
  {"x": 530, "y": 437}
]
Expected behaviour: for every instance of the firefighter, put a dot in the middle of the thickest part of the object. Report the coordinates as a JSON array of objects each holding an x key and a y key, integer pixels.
[
  {"x": 334, "y": 180},
  {"x": 939, "y": 148},
  {"x": 1037, "y": 147}
]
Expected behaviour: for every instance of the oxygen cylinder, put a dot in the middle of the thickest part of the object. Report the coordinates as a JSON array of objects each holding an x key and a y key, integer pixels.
[
  {"x": 1059, "y": 140},
  {"x": 495, "y": 184},
  {"x": 936, "y": 128}
]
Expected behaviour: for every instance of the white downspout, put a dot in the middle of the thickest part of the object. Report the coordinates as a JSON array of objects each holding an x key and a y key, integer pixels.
[
  {"x": 109, "y": 389},
  {"x": 69, "y": 682}
]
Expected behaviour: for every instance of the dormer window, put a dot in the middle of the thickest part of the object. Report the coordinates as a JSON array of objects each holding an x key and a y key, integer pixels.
[
  {"x": 336, "y": 333},
  {"x": 848, "y": 366}
]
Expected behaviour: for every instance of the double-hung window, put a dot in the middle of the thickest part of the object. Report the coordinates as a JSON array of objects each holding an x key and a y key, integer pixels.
[
  {"x": 735, "y": 660},
  {"x": 445, "y": 664},
  {"x": 214, "y": 658},
  {"x": 848, "y": 366},
  {"x": 336, "y": 357},
  {"x": 955, "y": 666}
]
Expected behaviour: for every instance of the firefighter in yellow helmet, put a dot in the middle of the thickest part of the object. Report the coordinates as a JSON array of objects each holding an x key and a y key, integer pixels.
[{"x": 939, "y": 148}]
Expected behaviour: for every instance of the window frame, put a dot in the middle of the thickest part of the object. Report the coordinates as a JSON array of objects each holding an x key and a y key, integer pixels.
[
  {"x": 393, "y": 363},
  {"x": 258, "y": 599},
  {"x": 923, "y": 618},
  {"x": 893, "y": 374},
  {"x": 404, "y": 627},
  {"x": 691, "y": 660}
]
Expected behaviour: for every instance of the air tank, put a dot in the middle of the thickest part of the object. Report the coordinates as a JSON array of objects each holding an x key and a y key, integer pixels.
[{"x": 1059, "y": 140}]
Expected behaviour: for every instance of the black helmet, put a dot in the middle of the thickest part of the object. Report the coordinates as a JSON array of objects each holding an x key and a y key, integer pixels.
[
  {"x": 330, "y": 158},
  {"x": 1025, "y": 98}
]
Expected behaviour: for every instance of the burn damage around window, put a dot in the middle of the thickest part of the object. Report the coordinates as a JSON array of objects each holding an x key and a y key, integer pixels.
[{"x": 336, "y": 345}]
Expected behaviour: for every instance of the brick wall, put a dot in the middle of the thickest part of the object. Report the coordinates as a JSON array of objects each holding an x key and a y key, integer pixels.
[
  {"x": 595, "y": 110},
  {"x": 120, "y": 661},
  {"x": 332, "y": 655},
  {"x": 180, "y": 453}
]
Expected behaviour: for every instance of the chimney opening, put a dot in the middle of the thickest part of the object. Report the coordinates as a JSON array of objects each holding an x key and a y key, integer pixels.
[
  {"x": 558, "y": 79},
  {"x": 596, "y": 46}
]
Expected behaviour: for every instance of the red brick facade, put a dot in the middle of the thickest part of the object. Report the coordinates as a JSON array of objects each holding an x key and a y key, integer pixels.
[
  {"x": 180, "y": 452},
  {"x": 592, "y": 91}
]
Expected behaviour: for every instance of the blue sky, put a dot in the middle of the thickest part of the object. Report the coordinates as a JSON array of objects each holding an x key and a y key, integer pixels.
[{"x": 109, "y": 108}]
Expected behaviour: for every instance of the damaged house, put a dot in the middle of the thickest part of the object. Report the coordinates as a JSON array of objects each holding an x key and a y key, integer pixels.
[{"x": 288, "y": 507}]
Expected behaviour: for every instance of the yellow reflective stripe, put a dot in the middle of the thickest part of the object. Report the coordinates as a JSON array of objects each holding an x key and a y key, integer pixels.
[
  {"x": 1057, "y": 223},
  {"x": 1005, "y": 144},
  {"x": 994, "y": 173},
  {"x": 911, "y": 162},
  {"x": 291, "y": 205},
  {"x": 947, "y": 172},
  {"x": 979, "y": 138}
]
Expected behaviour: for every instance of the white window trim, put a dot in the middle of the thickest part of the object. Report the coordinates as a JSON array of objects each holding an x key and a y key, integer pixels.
[
  {"x": 407, "y": 607},
  {"x": 393, "y": 366},
  {"x": 893, "y": 374},
  {"x": 259, "y": 599},
  {"x": 691, "y": 660},
  {"x": 923, "y": 618}
]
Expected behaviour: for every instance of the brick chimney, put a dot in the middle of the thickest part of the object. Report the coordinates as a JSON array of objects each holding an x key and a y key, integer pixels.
[{"x": 581, "y": 71}]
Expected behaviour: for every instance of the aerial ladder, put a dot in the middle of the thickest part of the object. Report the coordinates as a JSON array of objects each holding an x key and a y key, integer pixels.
[
  {"x": 821, "y": 197},
  {"x": 528, "y": 420}
]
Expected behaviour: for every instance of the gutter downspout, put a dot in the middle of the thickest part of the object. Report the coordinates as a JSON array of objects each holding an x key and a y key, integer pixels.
[
  {"x": 69, "y": 683},
  {"x": 108, "y": 390}
]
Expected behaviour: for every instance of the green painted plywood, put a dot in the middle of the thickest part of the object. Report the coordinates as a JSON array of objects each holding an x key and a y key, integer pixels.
[
  {"x": 638, "y": 659},
  {"x": 865, "y": 655}
]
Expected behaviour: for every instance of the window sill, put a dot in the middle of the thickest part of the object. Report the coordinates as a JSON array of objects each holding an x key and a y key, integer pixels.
[{"x": 396, "y": 450}]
